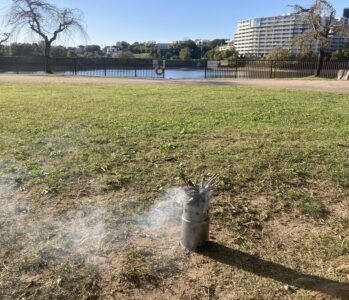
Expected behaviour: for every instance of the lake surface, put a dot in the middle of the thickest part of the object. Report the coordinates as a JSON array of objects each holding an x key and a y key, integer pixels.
[
  {"x": 191, "y": 74},
  {"x": 169, "y": 73},
  {"x": 184, "y": 74}
]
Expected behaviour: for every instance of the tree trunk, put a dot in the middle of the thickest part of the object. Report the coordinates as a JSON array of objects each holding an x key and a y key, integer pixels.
[
  {"x": 48, "y": 69},
  {"x": 320, "y": 62}
]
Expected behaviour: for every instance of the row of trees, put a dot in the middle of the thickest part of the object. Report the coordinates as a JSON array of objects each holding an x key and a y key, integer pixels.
[
  {"x": 37, "y": 49},
  {"x": 178, "y": 50},
  {"x": 186, "y": 49},
  {"x": 306, "y": 55}
]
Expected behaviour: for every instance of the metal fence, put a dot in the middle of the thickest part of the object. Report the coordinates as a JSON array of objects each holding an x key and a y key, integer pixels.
[
  {"x": 147, "y": 68},
  {"x": 275, "y": 69},
  {"x": 85, "y": 66}
]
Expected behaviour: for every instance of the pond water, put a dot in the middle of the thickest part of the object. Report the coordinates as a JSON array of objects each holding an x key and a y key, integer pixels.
[
  {"x": 184, "y": 74},
  {"x": 169, "y": 73}
]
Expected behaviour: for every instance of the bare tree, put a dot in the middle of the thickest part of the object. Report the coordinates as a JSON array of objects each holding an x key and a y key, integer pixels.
[
  {"x": 321, "y": 16},
  {"x": 4, "y": 37},
  {"x": 46, "y": 20}
]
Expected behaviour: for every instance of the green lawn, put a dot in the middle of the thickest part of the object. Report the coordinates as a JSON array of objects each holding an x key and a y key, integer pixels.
[
  {"x": 53, "y": 136},
  {"x": 71, "y": 141}
]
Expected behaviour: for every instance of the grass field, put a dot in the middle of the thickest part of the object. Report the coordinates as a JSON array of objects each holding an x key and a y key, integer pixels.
[{"x": 93, "y": 153}]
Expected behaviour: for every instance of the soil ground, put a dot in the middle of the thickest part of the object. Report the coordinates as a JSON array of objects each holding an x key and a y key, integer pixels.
[{"x": 316, "y": 85}]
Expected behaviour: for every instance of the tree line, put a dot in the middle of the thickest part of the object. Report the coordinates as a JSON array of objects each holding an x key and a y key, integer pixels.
[
  {"x": 38, "y": 49},
  {"x": 186, "y": 49},
  {"x": 283, "y": 54},
  {"x": 177, "y": 50}
]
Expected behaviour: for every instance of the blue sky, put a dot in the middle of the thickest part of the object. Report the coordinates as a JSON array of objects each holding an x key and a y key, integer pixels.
[{"x": 108, "y": 21}]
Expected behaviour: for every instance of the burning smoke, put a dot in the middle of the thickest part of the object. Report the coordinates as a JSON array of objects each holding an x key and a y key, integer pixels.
[
  {"x": 87, "y": 232},
  {"x": 165, "y": 210},
  {"x": 83, "y": 231}
]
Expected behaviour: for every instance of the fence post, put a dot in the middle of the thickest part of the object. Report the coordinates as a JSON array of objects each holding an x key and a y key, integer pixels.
[
  {"x": 16, "y": 62},
  {"x": 206, "y": 71},
  {"x": 72, "y": 65},
  {"x": 271, "y": 69},
  {"x": 105, "y": 67},
  {"x": 164, "y": 67},
  {"x": 75, "y": 61},
  {"x": 315, "y": 67}
]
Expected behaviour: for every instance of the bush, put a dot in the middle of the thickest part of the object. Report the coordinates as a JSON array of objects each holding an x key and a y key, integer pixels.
[
  {"x": 306, "y": 55},
  {"x": 280, "y": 54},
  {"x": 341, "y": 54},
  {"x": 124, "y": 54}
]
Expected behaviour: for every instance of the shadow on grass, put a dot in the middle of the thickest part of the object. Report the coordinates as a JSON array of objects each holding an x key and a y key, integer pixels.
[{"x": 264, "y": 268}]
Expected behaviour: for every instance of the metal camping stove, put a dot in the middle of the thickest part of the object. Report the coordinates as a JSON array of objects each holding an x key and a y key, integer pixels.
[{"x": 195, "y": 218}]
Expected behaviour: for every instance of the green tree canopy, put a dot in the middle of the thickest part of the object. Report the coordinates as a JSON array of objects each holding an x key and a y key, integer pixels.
[
  {"x": 218, "y": 54},
  {"x": 177, "y": 47},
  {"x": 24, "y": 49},
  {"x": 124, "y": 54},
  {"x": 185, "y": 53},
  {"x": 216, "y": 43},
  {"x": 59, "y": 51},
  {"x": 124, "y": 46}
]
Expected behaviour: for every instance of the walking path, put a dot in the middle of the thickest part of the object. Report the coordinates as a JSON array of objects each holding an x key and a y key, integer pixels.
[{"x": 316, "y": 85}]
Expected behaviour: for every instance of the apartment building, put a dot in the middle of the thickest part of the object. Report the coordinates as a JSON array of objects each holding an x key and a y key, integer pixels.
[{"x": 259, "y": 36}]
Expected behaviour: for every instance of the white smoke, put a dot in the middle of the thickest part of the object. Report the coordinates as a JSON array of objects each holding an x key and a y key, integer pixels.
[
  {"x": 84, "y": 231},
  {"x": 166, "y": 210}
]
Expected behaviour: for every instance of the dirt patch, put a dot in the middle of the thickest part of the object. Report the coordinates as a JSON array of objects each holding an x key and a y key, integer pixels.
[
  {"x": 261, "y": 202},
  {"x": 109, "y": 249},
  {"x": 315, "y": 85},
  {"x": 71, "y": 253},
  {"x": 286, "y": 230}
]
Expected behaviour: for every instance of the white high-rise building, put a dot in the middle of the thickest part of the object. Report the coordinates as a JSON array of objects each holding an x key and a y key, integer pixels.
[{"x": 259, "y": 36}]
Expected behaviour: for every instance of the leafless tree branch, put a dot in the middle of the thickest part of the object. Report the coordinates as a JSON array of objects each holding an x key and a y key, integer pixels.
[
  {"x": 321, "y": 17},
  {"x": 46, "y": 20},
  {"x": 4, "y": 37}
]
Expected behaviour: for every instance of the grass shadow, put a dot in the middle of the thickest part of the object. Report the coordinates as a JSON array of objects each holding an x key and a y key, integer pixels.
[{"x": 264, "y": 268}]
